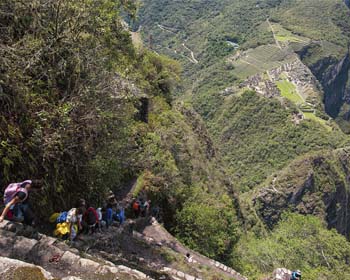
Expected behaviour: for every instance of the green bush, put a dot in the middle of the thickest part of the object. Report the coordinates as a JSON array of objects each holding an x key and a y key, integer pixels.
[
  {"x": 298, "y": 242},
  {"x": 208, "y": 224}
]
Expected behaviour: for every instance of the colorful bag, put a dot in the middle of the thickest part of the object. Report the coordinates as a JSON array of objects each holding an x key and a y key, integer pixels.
[
  {"x": 62, "y": 218},
  {"x": 62, "y": 229},
  {"x": 53, "y": 217}
]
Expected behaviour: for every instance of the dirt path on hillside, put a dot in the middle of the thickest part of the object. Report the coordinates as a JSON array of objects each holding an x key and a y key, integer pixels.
[
  {"x": 274, "y": 35},
  {"x": 192, "y": 58},
  {"x": 125, "y": 194}
]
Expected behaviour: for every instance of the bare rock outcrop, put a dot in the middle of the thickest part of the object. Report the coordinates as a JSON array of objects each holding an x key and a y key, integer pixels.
[
  {"x": 281, "y": 274},
  {"x": 317, "y": 185}
]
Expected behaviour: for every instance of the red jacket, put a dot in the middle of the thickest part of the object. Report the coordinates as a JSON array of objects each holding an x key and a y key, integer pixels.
[{"x": 90, "y": 209}]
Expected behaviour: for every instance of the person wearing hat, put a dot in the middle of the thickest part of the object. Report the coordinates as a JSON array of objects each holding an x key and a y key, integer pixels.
[
  {"x": 15, "y": 198},
  {"x": 296, "y": 275}
]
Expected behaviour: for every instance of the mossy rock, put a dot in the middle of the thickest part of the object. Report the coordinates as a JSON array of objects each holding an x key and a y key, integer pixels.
[{"x": 28, "y": 273}]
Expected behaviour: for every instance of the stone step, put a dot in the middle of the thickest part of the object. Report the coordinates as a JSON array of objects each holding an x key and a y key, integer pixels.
[{"x": 53, "y": 257}]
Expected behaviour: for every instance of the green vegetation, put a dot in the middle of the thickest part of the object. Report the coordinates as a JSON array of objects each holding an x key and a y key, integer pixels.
[
  {"x": 326, "y": 20},
  {"x": 214, "y": 223},
  {"x": 85, "y": 110},
  {"x": 316, "y": 183},
  {"x": 289, "y": 91},
  {"x": 312, "y": 116},
  {"x": 60, "y": 99},
  {"x": 286, "y": 36},
  {"x": 298, "y": 242},
  {"x": 257, "y": 137}
]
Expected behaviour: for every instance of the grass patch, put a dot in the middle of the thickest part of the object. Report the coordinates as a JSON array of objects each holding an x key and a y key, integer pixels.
[
  {"x": 289, "y": 91},
  {"x": 285, "y": 36},
  {"x": 312, "y": 116}
]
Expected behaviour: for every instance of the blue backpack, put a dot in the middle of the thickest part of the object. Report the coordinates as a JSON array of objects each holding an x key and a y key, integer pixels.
[{"x": 62, "y": 218}]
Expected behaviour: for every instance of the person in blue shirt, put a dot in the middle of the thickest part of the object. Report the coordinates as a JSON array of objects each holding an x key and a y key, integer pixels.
[
  {"x": 296, "y": 275},
  {"x": 107, "y": 215}
]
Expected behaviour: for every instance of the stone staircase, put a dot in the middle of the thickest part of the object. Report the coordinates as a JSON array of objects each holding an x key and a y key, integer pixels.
[{"x": 25, "y": 252}]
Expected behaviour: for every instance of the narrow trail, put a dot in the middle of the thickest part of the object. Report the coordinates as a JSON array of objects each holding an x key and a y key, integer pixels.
[
  {"x": 167, "y": 29},
  {"x": 274, "y": 34},
  {"x": 126, "y": 193},
  {"x": 194, "y": 60},
  {"x": 171, "y": 30}
]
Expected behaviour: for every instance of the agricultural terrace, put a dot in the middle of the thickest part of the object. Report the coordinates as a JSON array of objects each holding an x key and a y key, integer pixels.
[
  {"x": 285, "y": 36},
  {"x": 261, "y": 59}
]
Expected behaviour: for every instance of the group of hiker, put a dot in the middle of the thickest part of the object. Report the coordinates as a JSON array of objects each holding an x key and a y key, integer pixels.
[
  {"x": 141, "y": 207},
  {"x": 82, "y": 218}
]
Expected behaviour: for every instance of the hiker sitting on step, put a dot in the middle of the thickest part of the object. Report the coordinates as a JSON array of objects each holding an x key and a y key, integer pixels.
[
  {"x": 90, "y": 217},
  {"x": 16, "y": 202}
]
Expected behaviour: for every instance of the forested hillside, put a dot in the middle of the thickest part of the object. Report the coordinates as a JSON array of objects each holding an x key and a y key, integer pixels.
[
  {"x": 234, "y": 45},
  {"x": 231, "y": 116},
  {"x": 270, "y": 78},
  {"x": 84, "y": 112}
]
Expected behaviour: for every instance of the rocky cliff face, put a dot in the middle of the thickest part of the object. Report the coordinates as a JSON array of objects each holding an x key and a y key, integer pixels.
[
  {"x": 334, "y": 75},
  {"x": 317, "y": 184}
]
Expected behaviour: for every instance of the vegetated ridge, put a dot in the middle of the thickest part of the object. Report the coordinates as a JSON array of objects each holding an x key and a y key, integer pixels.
[{"x": 271, "y": 85}]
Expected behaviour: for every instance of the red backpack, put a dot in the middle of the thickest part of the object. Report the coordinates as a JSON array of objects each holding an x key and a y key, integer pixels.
[
  {"x": 11, "y": 190},
  {"x": 136, "y": 206}
]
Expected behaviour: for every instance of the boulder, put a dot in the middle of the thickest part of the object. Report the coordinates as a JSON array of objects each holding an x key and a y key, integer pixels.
[
  {"x": 15, "y": 269},
  {"x": 281, "y": 274}
]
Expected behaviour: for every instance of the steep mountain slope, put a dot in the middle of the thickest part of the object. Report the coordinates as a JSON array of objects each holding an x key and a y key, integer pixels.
[
  {"x": 293, "y": 51},
  {"x": 271, "y": 81},
  {"x": 298, "y": 241},
  {"x": 259, "y": 136},
  {"x": 86, "y": 112},
  {"x": 316, "y": 184}
]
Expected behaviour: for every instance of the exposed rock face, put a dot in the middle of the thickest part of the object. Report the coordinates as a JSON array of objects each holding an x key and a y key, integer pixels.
[
  {"x": 335, "y": 77},
  {"x": 281, "y": 274},
  {"x": 317, "y": 185}
]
